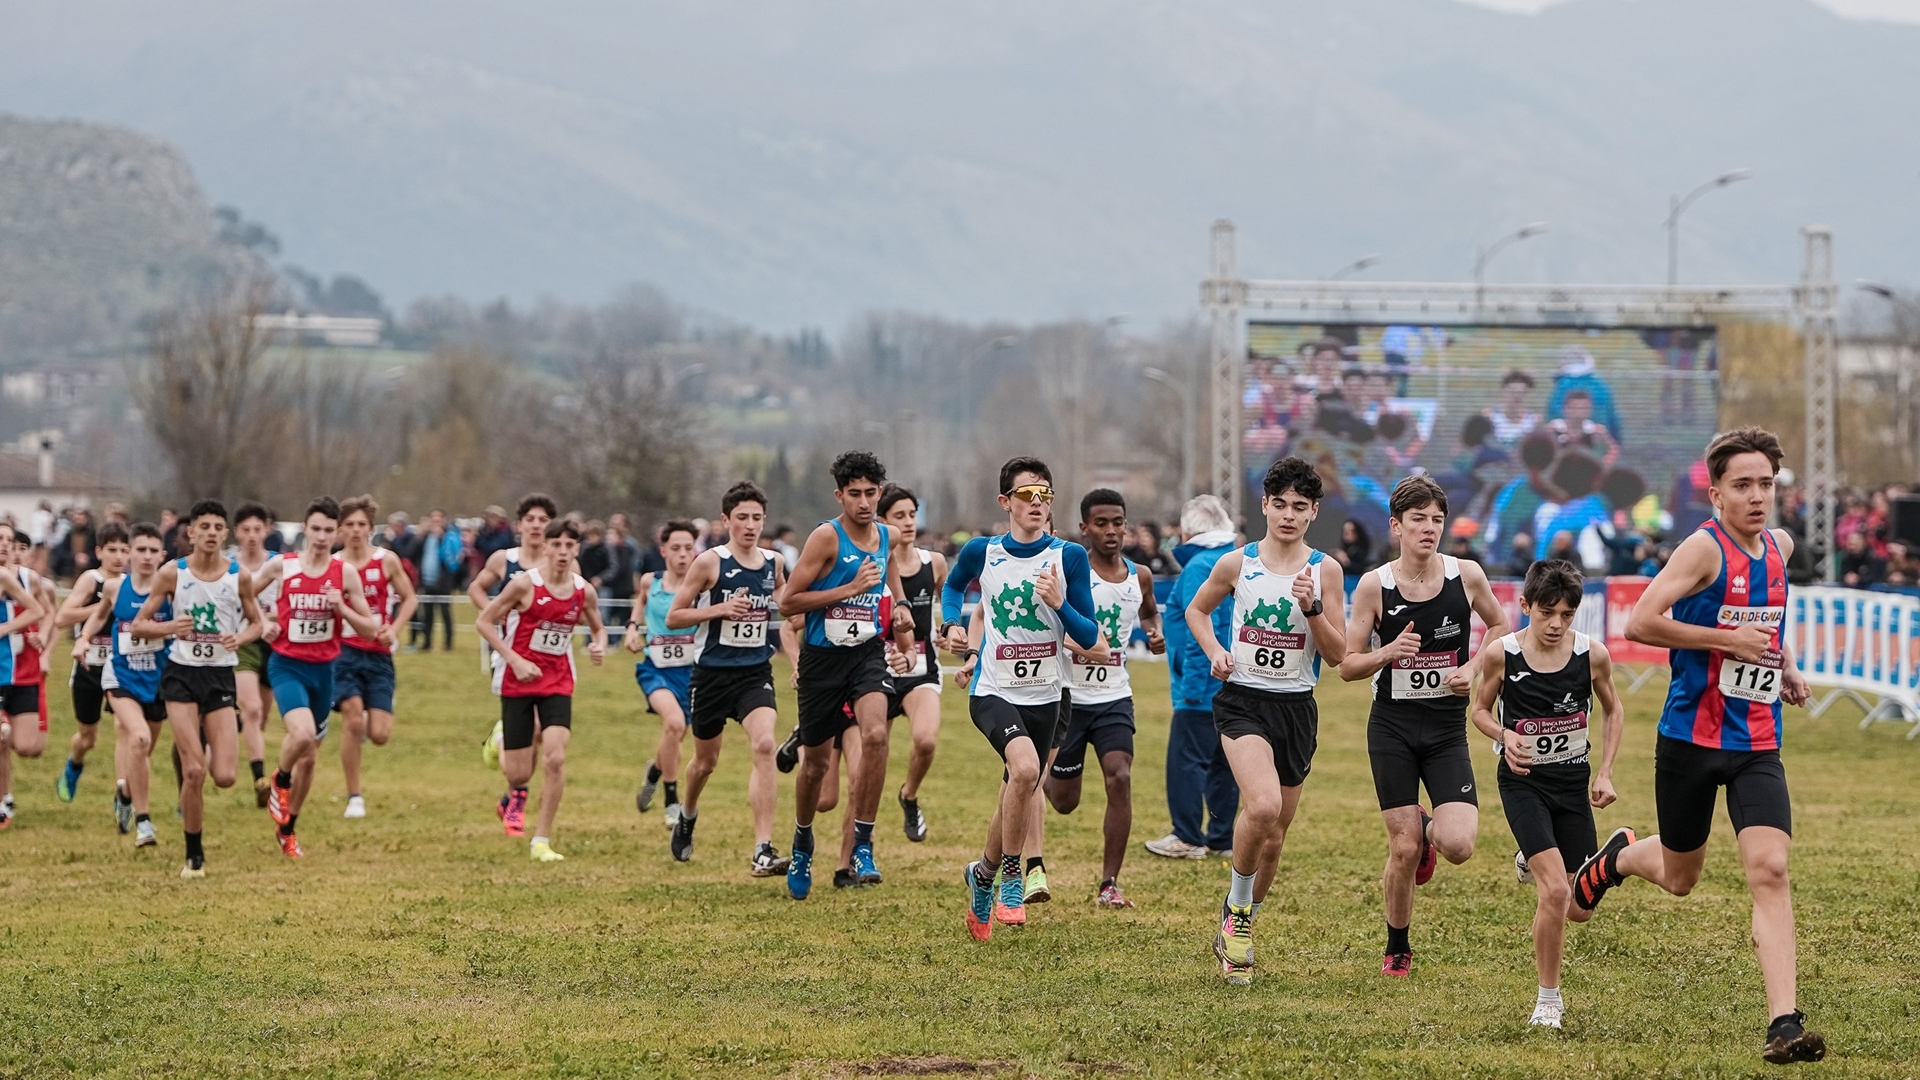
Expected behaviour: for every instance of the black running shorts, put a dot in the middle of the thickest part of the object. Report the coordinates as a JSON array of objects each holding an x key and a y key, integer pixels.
[
  {"x": 1687, "y": 779},
  {"x": 1414, "y": 747},
  {"x": 836, "y": 675},
  {"x": 1290, "y": 723},
  {"x": 1108, "y": 727},
  {"x": 1001, "y": 721},
  {"x": 1548, "y": 808},
  {"x": 519, "y": 716},
  {"x": 20, "y": 699},
  {"x": 155, "y": 711},
  {"x": 720, "y": 694},
  {"x": 209, "y": 688},
  {"x": 88, "y": 696}
]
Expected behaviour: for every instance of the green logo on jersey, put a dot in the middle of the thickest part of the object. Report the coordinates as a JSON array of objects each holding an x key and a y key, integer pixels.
[
  {"x": 1109, "y": 620},
  {"x": 1270, "y": 617},
  {"x": 1016, "y": 607},
  {"x": 206, "y": 618}
]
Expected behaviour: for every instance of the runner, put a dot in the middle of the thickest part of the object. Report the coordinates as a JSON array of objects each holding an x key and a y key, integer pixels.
[
  {"x": 1102, "y": 693},
  {"x": 666, "y": 672},
  {"x": 1726, "y": 586},
  {"x": 131, "y": 677},
  {"x": 91, "y": 655},
  {"x": 1034, "y": 588},
  {"x": 251, "y": 524},
  {"x": 727, "y": 600},
  {"x": 315, "y": 594},
  {"x": 1421, "y": 606},
  {"x": 1283, "y": 628},
  {"x": 845, "y": 569},
  {"x": 1544, "y": 678},
  {"x": 530, "y": 627},
  {"x": 363, "y": 672},
  {"x": 213, "y": 614},
  {"x": 535, "y": 513},
  {"x": 21, "y": 710},
  {"x": 916, "y": 693}
]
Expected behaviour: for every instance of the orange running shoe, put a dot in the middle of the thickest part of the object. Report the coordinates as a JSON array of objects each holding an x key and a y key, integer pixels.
[
  {"x": 979, "y": 904},
  {"x": 1011, "y": 908},
  {"x": 1397, "y": 964},
  {"x": 1592, "y": 880},
  {"x": 290, "y": 846},
  {"x": 280, "y": 802},
  {"x": 513, "y": 812}
]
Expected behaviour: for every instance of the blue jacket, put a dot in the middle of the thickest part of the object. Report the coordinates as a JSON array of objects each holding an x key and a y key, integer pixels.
[
  {"x": 1193, "y": 684},
  {"x": 451, "y": 550}
]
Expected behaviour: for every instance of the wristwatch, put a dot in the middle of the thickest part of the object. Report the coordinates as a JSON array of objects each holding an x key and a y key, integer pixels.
[{"x": 1316, "y": 609}]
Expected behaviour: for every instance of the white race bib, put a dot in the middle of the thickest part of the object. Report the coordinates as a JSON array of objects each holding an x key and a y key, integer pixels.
[
  {"x": 306, "y": 630},
  {"x": 1759, "y": 681},
  {"x": 1270, "y": 654},
  {"x": 99, "y": 652},
  {"x": 747, "y": 633},
  {"x": 1422, "y": 676},
  {"x": 1555, "y": 739},
  {"x": 670, "y": 650},
  {"x": 1085, "y": 674},
  {"x": 850, "y": 624},
  {"x": 133, "y": 646},
  {"x": 1035, "y": 663},
  {"x": 551, "y": 641}
]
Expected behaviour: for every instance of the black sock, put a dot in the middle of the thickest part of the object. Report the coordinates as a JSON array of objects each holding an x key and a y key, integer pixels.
[
  {"x": 1036, "y": 863},
  {"x": 1010, "y": 864},
  {"x": 673, "y": 792},
  {"x": 863, "y": 833},
  {"x": 142, "y": 817},
  {"x": 1610, "y": 867},
  {"x": 1397, "y": 939},
  {"x": 653, "y": 772},
  {"x": 803, "y": 838},
  {"x": 259, "y": 768},
  {"x": 1104, "y": 882},
  {"x": 194, "y": 850},
  {"x": 287, "y": 829},
  {"x": 282, "y": 778}
]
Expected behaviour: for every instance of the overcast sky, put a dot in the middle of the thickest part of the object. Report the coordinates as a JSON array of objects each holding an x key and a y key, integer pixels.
[{"x": 1900, "y": 10}]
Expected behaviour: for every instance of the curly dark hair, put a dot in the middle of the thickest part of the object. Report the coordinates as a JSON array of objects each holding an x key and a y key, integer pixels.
[
  {"x": 1293, "y": 474},
  {"x": 857, "y": 465}
]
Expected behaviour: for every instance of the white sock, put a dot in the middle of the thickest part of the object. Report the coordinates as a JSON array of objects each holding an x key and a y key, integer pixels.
[
  {"x": 1240, "y": 893},
  {"x": 1257, "y": 904},
  {"x": 1549, "y": 993},
  {"x": 538, "y": 840}
]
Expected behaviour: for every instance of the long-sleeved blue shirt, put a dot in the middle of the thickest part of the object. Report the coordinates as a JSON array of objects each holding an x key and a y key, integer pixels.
[
  {"x": 1192, "y": 683},
  {"x": 1076, "y": 615}
]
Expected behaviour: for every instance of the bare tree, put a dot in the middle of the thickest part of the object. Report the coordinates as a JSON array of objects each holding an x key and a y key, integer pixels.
[
  {"x": 620, "y": 440},
  {"x": 332, "y": 432},
  {"x": 204, "y": 384}
]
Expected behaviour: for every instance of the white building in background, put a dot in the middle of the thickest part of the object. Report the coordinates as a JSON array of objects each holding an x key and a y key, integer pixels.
[
  {"x": 29, "y": 475},
  {"x": 351, "y": 331}
]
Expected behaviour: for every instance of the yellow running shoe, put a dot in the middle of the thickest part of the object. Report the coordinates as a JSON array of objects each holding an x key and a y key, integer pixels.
[
  {"x": 490, "y": 750},
  {"x": 1233, "y": 943},
  {"x": 542, "y": 851}
]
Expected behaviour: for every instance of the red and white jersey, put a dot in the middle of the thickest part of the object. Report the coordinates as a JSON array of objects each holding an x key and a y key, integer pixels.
[
  {"x": 309, "y": 627},
  {"x": 542, "y": 632},
  {"x": 27, "y": 669},
  {"x": 380, "y": 601}
]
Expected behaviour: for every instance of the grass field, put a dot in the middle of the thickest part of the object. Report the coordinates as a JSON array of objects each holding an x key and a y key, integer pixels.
[{"x": 421, "y": 942}]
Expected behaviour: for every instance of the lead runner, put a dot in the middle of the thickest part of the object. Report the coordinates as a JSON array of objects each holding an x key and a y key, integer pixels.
[{"x": 1726, "y": 587}]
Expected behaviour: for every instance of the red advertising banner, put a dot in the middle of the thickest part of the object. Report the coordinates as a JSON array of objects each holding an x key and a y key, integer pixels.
[{"x": 1622, "y": 594}]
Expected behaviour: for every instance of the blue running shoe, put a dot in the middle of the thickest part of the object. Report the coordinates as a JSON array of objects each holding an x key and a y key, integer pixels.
[
  {"x": 800, "y": 875},
  {"x": 69, "y": 776},
  {"x": 980, "y": 909},
  {"x": 1012, "y": 908},
  {"x": 864, "y": 872}
]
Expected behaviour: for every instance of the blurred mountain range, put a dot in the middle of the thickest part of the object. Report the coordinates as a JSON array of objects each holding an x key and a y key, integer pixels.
[{"x": 792, "y": 164}]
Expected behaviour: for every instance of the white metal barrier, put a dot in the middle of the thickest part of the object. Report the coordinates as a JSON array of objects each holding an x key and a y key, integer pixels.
[{"x": 1860, "y": 646}]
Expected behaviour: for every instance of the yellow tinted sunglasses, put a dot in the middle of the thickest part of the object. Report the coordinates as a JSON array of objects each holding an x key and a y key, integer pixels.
[{"x": 1039, "y": 493}]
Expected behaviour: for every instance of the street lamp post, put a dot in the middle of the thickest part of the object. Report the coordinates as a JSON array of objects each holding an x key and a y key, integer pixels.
[
  {"x": 1357, "y": 265},
  {"x": 1483, "y": 256},
  {"x": 1677, "y": 205},
  {"x": 1906, "y": 328},
  {"x": 1188, "y": 423}
]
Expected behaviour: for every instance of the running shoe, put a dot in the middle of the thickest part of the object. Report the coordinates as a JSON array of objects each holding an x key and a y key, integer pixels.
[
  {"x": 1788, "y": 1041},
  {"x": 1236, "y": 974},
  {"x": 1037, "y": 886},
  {"x": 1397, "y": 964},
  {"x": 490, "y": 749},
  {"x": 979, "y": 905},
  {"x": 64, "y": 784},
  {"x": 262, "y": 788},
  {"x": 1547, "y": 1014},
  {"x": 644, "y": 801},
  {"x": 1171, "y": 846},
  {"x": 863, "y": 869},
  {"x": 915, "y": 822},
  {"x": 513, "y": 812},
  {"x": 195, "y": 869},
  {"x": 6, "y": 808},
  {"x": 144, "y": 836},
  {"x": 1011, "y": 908},
  {"x": 542, "y": 851},
  {"x": 1233, "y": 942},
  {"x": 356, "y": 807},
  {"x": 767, "y": 862},
  {"x": 672, "y": 814},
  {"x": 1429, "y": 858},
  {"x": 279, "y": 803},
  {"x": 800, "y": 875},
  {"x": 681, "y": 842},
  {"x": 789, "y": 753},
  {"x": 843, "y": 879},
  {"x": 122, "y": 810},
  {"x": 1111, "y": 897},
  {"x": 1591, "y": 881},
  {"x": 1521, "y": 871},
  {"x": 290, "y": 846}
]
